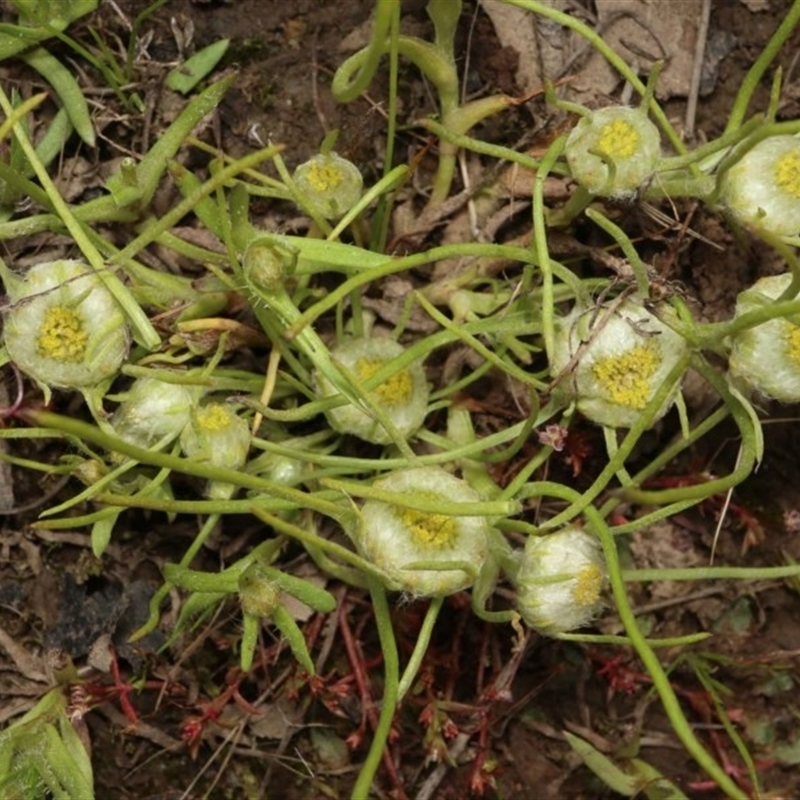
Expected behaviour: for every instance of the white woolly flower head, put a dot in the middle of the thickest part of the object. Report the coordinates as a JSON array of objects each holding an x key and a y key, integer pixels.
[
  {"x": 762, "y": 190},
  {"x": 766, "y": 358},
  {"x": 624, "y": 355},
  {"x": 330, "y": 185},
  {"x": 403, "y": 396},
  {"x": 560, "y": 581},
  {"x": 64, "y": 327},
  {"x": 613, "y": 151},
  {"x": 216, "y": 435},
  {"x": 395, "y": 538},
  {"x": 153, "y": 412}
]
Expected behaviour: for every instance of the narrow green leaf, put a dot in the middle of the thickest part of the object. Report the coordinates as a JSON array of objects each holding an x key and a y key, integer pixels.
[
  {"x": 605, "y": 769},
  {"x": 67, "y": 89},
  {"x": 187, "y": 75},
  {"x": 101, "y": 534},
  {"x": 654, "y": 785}
]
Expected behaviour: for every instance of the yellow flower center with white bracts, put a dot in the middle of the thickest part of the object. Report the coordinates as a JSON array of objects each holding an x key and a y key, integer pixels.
[
  {"x": 323, "y": 177},
  {"x": 429, "y": 531},
  {"x": 213, "y": 418},
  {"x": 626, "y": 378},
  {"x": 787, "y": 173},
  {"x": 588, "y": 585},
  {"x": 62, "y": 335},
  {"x": 396, "y": 390},
  {"x": 618, "y": 140}
]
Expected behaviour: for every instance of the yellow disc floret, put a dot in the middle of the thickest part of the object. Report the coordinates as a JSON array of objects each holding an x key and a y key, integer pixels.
[
  {"x": 213, "y": 417},
  {"x": 323, "y": 177},
  {"x": 792, "y": 338},
  {"x": 62, "y": 335},
  {"x": 396, "y": 389},
  {"x": 429, "y": 531},
  {"x": 588, "y": 585},
  {"x": 787, "y": 173},
  {"x": 626, "y": 378},
  {"x": 618, "y": 139}
]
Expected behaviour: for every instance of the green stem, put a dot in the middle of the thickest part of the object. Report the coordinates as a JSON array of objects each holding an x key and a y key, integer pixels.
[
  {"x": 625, "y": 448},
  {"x": 391, "y": 679},
  {"x": 142, "y": 327},
  {"x": 83, "y": 431},
  {"x": 756, "y": 72},
  {"x": 540, "y": 246},
  {"x": 596, "y": 40},
  {"x": 746, "y": 461},
  {"x": 420, "y": 647},
  {"x": 642, "y": 647}
]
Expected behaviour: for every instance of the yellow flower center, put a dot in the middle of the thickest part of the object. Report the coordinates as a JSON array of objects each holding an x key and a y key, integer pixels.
[
  {"x": 588, "y": 584},
  {"x": 323, "y": 178},
  {"x": 62, "y": 336},
  {"x": 396, "y": 390},
  {"x": 625, "y": 379},
  {"x": 429, "y": 531},
  {"x": 213, "y": 418},
  {"x": 787, "y": 173},
  {"x": 618, "y": 139}
]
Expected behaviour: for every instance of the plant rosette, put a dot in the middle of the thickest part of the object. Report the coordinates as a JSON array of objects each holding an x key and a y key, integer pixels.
[
  {"x": 560, "y": 580},
  {"x": 624, "y": 356},
  {"x": 766, "y": 357},
  {"x": 329, "y": 184},
  {"x": 396, "y": 539},
  {"x": 403, "y": 396},
  {"x": 64, "y": 328},
  {"x": 762, "y": 189},
  {"x": 611, "y": 152}
]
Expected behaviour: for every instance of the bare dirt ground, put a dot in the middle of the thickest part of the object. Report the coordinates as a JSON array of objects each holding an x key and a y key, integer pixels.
[{"x": 474, "y": 725}]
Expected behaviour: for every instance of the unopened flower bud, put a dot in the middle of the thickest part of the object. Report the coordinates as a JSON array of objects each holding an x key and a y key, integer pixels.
[
  {"x": 394, "y": 538},
  {"x": 613, "y": 151},
  {"x": 153, "y": 412},
  {"x": 403, "y": 396},
  {"x": 330, "y": 185},
  {"x": 767, "y": 357},
  {"x": 64, "y": 328},
  {"x": 624, "y": 357},
  {"x": 762, "y": 190},
  {"x": 258, "y": 594},
  {"x": 267, "y": 263},
  {"x": 560, "y": 580}
]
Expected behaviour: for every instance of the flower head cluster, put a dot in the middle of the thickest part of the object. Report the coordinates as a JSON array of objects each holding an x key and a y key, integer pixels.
[
  {"x": 396, "y": 539},
  {"x": 560, "y": 580},
  {"x": 762, "y": 190},
  {"x": 613, "y": 151},
  {"x": 623, "y": 358},
  {"x": 330, "y": 185},
  {"x": 64, "y": 328},
  {"x": 403, "y": 395},
  {"x": 766, "y": 358}
]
